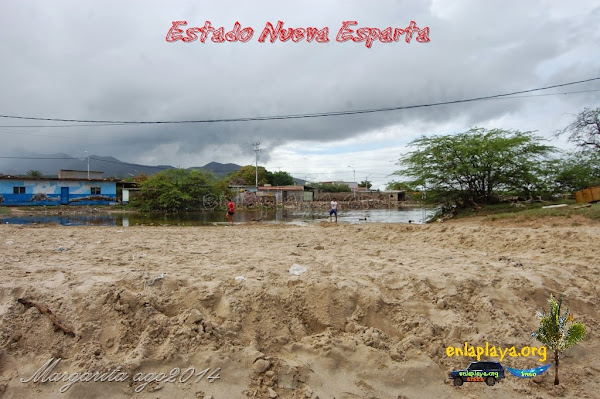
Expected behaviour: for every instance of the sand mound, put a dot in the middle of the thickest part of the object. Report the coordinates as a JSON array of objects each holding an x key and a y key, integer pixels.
[{"x": 370, "y": 318}]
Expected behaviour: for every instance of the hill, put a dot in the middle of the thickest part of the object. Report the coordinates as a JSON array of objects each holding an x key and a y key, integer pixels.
[{"x": 50, "y": 164}]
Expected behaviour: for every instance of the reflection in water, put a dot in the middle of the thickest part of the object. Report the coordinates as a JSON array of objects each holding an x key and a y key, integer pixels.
[
  {"x": 71, "y": 220},
  {"x": 402, "y": 215}
]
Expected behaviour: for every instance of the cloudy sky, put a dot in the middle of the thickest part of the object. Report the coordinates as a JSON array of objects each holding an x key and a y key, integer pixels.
[{"x": 110, "y": 61}]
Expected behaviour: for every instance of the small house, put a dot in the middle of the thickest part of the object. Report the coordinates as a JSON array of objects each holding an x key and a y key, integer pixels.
[
  {"x": 395, "y": 195},
  {"x": 31, "y": 191}
]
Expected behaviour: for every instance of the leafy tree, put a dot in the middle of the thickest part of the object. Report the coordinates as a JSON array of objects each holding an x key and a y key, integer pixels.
[
  {"x": 334, "y": 188},
  {"x": 281, "y": 179},
  {"x": 246, "y": 176},
  {"x": 577, "y": 171},
  {"x": 365, "y": 183},
  {"x": 471, "y": 167},
  {"x": 142, "y": 177},
  {"x": 584, "y": 131},
  {"x": 34, "y": 173},
  {"x": 553, "y": 331},
  {"x": 178, "y": 190},
  {"x": 540, "y": 180}
]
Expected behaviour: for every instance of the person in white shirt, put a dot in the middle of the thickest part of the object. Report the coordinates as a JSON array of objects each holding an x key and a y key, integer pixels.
[{"x": 333, "y": 210}]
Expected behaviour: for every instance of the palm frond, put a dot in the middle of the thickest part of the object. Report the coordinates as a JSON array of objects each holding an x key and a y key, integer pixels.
[{"x": 574, "y": 334}]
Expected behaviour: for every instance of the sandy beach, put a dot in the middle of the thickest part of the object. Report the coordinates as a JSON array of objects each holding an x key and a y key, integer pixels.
[{"x": 370, "y": 317}]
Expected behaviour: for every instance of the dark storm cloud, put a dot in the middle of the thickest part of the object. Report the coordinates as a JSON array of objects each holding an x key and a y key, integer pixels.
[{"x": 109, "y": 60}]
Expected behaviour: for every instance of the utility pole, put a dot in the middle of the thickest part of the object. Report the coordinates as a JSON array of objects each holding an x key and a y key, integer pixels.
[
  {"x": 256, "y": 150},
  {"x": 354, "y": 188},
  {"x": 88, "y": 162}
]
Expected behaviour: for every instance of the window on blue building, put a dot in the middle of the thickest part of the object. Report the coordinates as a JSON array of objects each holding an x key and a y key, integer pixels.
[
  {"x": 18, "y": 190},
  {"x": 95, "y": 190}
]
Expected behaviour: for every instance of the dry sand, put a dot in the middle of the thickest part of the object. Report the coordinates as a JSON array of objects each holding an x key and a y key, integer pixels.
[{"x": 370, "y": 318}]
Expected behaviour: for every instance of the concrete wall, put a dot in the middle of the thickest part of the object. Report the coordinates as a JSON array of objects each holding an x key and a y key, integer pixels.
[{"x": 282, "y": 195}]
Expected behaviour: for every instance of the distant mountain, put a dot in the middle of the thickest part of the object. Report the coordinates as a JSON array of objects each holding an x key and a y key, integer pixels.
[
  {"x": 49, "y": 165},
  {"x": 111, "y": 167},
  {"x": 220, "y": 169}
]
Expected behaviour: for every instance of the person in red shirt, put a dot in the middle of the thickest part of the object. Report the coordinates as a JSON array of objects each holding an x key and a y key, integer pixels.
[{"x": 230, "y": 211}]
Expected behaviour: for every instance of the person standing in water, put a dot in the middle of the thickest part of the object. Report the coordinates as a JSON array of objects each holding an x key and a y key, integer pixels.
[
  {"x": 333, "y": 210},
  {"x": 230, "y": 211}
]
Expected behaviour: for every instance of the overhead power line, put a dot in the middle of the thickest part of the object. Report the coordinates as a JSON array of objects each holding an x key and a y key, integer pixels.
[
  {"x": 298, "y": 116},
  {"x": 129, "y": 123}
]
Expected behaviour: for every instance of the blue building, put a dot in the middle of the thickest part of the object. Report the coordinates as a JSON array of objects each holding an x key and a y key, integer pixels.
[{"x": 24, "y": 191}]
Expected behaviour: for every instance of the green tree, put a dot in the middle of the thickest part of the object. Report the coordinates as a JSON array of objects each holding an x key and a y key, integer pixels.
[
  {"x": 540, "y": 180},
  {"x": 365, "y": 183},
  {"x": 471, "y": 167},
  {"x": 246, "y": 176},
  {"x": 334, "y": 188},
  {"x": 281, "y": 179},
  {"x": 178, "y": 190},
  {"x": 553, "y": 331},
  {"x": 34, "y": 173},
  {"x": 577, "y": 171},
  {"x": 584, "y": 131},
  {"x": 142, "y": 177}
]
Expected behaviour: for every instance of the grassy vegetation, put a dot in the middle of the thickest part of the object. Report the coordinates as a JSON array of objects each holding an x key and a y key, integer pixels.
[
  {"x": 533, "y": 211},
  {"x": 4, "y": 210}
]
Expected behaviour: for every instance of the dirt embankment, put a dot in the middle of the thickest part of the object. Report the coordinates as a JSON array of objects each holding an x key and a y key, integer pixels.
[{"x": 370, "y": 318}]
